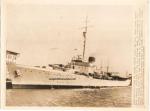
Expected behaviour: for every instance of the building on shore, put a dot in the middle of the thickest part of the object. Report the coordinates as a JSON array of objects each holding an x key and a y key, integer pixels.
[{"x": 11, "y": 56}]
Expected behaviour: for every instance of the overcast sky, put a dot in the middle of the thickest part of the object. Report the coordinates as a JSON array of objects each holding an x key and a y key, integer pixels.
[{"x": 46, "y": 33}]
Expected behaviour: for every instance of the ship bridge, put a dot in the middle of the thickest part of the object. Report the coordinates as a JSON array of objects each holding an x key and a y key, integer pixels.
[{"x": 81, "y": 66}]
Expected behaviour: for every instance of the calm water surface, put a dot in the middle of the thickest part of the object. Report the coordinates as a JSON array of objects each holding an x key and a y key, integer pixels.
[{"x": 104, "y": 97}]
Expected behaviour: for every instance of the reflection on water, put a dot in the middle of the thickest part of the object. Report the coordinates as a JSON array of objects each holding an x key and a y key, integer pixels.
[{"x": 104, "y": 97}]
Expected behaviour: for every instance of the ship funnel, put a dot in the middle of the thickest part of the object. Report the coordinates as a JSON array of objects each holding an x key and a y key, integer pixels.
[{"x": 91, "y": 59}]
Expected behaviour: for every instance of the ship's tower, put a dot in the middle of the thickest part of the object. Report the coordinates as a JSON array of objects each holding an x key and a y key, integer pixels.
[{"x": 84, "y": 36}]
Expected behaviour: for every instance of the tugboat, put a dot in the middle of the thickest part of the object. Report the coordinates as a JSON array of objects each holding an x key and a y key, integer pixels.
[{"x": 79, "y": 73}]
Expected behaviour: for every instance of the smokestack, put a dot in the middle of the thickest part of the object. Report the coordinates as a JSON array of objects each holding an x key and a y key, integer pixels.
[{"x": 91, "y": 59}]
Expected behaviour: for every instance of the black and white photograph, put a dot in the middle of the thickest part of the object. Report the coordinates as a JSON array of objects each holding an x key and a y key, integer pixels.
[{"x": 69, "y": 55}]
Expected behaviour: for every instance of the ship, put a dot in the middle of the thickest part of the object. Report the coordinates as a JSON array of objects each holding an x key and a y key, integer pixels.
[{"x": 78, "y": 73}]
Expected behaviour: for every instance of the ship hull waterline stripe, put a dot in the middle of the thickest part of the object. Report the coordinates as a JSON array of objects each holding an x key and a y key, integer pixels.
[{"x": 24, "y": 86}]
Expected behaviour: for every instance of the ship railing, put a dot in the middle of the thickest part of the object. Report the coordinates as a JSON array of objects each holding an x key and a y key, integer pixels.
[{"x": 26, "y": 66}]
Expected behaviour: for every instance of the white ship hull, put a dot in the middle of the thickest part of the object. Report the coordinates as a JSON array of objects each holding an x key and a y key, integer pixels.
[{"x": 32, "y": 77}]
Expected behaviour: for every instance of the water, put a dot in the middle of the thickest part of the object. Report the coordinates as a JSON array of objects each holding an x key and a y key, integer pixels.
[{"x": 104, "y": 97}]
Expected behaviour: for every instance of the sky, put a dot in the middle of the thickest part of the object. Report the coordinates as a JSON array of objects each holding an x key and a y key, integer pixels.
[{"x": 49, "y": 33}]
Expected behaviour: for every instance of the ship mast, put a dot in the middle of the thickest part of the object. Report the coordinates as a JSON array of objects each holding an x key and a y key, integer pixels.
[
  {"x": 84, "y": 36},
  {"x": 107, "y": 68}
]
